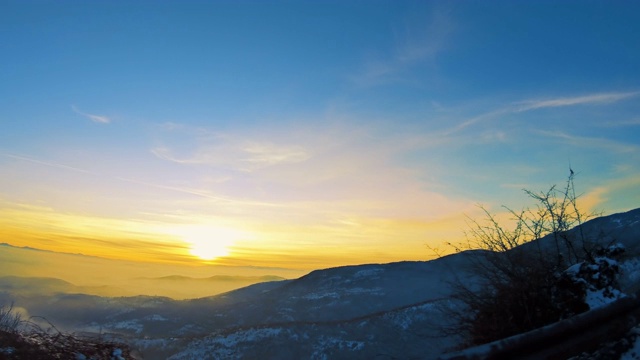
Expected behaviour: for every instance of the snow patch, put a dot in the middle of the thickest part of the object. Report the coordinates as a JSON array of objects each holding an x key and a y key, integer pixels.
[
  {"x": 634, "y": 352},
  {"x": 326, "y": 344},
  {"x": 156, "y": 344},
  {"x": 602, "y": 297},
  {"x": 117, "y": 354},
  {"x": 368, "y": 273},
  {"x": 374, "y": 291},
  {"x": 156, "y": 317},
  {"x": 128, "y": 325},
  {"x": 189, "y": 329},
  {"x": 630, "y": 270},
  {"x": 406, "y": 318},
  {"x": 225, "y": 347},
  {"x": 8, "y": 350},
  {"x": 318, "y": 296}
]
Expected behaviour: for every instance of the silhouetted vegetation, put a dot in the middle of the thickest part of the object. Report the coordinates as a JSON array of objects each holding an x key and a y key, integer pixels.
[
  {"x": 20, "y": 339},
  {"x": 524, "y": 283},
  {"x": 9, "y": 319}
]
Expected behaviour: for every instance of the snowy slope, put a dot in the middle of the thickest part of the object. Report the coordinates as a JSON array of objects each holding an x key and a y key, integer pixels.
[{"x": 366, "y": 311}]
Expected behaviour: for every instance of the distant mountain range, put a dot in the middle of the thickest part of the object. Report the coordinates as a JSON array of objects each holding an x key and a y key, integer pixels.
[
  {"x": 256, "y": 279},
  {"x": 107, "y": 277},
  {"x": 374, "y": 311}
]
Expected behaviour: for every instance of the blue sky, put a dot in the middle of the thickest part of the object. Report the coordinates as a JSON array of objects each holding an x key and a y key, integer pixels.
[{"x": 349, "y": 126}]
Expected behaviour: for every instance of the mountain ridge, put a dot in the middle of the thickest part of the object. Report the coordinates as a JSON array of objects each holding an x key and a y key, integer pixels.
[{"x": 354, "y": 311}]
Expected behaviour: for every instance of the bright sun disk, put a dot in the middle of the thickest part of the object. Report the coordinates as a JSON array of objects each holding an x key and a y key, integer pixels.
[{"x": 209, "y": 243}]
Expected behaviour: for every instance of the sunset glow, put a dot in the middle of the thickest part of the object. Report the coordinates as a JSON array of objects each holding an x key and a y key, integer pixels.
[
  {"x": 305, "y": 135},
  {"x": 209, "y": 243}
]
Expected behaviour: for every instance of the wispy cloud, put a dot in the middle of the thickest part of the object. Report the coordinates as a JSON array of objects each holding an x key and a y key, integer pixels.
[
  {"x": 243, "y": 153},
  {"x": 620, "y": 123},
  {"x": 266, "y": 154},
  {"x": 199, "y": 193},
  {"x": 591, "y": 142},
  {"x": 530, "y": 105},
  {"x": 45, "y": 163},
  {"x": 414, "y": 46},
  {"x": 180, "y": 189},
  {"x": 327, "y": 169},
  {"x": 594, "y": 99},
  {"x": 476, "y": 119},
  {"x": 101, "y": 235},
  {"x": 95, "y": 118}
]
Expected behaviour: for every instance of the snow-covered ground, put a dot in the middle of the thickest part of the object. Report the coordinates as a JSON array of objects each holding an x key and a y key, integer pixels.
[
  {"x": 365, "y": 311},
  {"x": 634, "y": 352}
]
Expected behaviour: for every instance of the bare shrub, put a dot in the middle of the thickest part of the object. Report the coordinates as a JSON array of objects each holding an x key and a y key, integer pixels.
[
  {"x": 24, "y": 339},
  {"x": 9, "y": 319},
  {"x": 520, "y": 281}
]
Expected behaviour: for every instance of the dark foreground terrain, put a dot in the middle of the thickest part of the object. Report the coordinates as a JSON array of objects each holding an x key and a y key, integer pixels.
[{"x": 381, "y": 311}]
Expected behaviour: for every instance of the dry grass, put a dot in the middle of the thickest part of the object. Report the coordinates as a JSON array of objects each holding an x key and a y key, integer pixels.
[{"x": 21, "y": 339}]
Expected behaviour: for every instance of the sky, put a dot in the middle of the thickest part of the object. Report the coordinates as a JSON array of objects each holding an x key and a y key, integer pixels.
[{"x": 306, "y": 134}]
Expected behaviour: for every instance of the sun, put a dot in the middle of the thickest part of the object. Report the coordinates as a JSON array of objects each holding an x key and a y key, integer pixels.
[{"x": 209, "y": 243}]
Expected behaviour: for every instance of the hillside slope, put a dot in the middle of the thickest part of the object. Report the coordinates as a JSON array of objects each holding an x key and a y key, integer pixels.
[{"x": 365, "y": 311}]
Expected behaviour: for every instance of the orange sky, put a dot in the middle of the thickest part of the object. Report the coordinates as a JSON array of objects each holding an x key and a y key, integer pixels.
[
  {"x": 280, "y": 245},
  {"x": 303, "y": 246},
  {"x": 305, "y": 135}
]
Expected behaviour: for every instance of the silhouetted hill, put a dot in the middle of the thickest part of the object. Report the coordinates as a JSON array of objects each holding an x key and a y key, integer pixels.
[{"x": 364, "y": 311}]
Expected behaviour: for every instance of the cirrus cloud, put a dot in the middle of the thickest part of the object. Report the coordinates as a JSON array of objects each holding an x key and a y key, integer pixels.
[
  {"x": 592, "y": 99},
  {"x": 95, "y": 118}
]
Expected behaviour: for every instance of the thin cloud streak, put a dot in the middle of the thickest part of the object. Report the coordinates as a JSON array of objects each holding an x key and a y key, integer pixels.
[
  {"x": 266, "y": 154},
  {"x": 95, "y": 118},
  {"x": 590, "y": 141},
  {"x": 594, "y": 99},
  {"x": 199, "y": 193},
  {"x": 477, "y": 119},
  {"x": 46, "y": 163},
  {"x": 530, "y": 105},
  {"x": 323, "y": 178},
  {"x": 244, "y": 154},
  {"x": 317, "y": 177},
  {"x": 621, "y": 123},
  {"x": 412, "y": 50}
]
